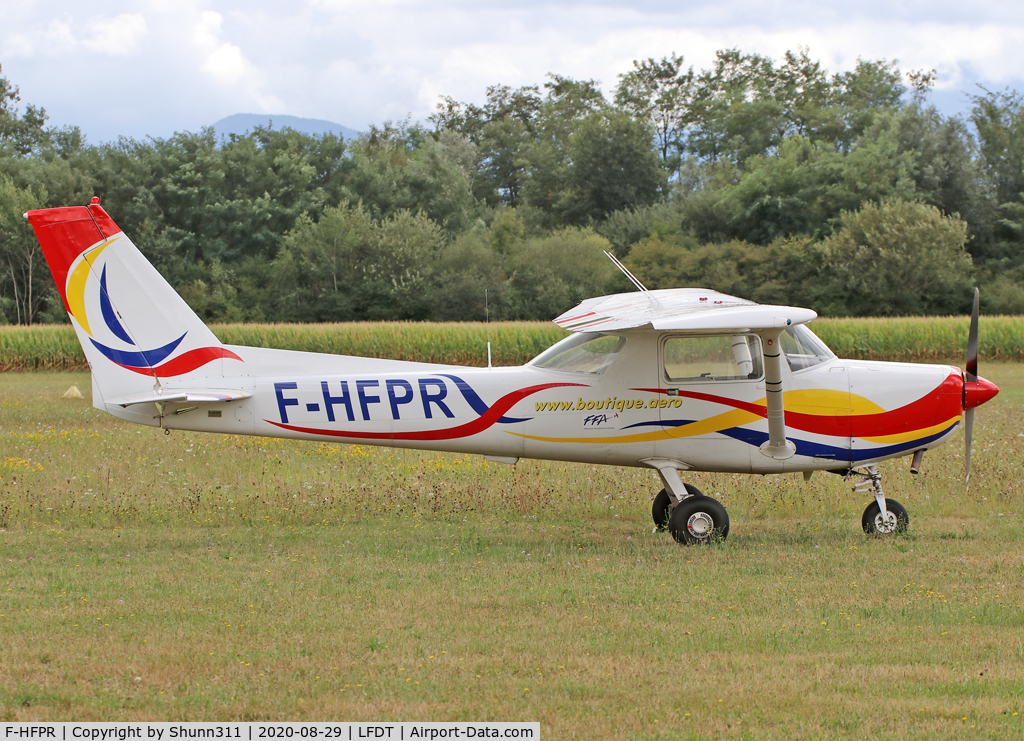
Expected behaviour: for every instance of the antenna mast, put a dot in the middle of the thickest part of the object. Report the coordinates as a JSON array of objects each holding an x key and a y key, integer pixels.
[
  {"x": 632, "y": 279},
  {"x": 487, "y": 317}
]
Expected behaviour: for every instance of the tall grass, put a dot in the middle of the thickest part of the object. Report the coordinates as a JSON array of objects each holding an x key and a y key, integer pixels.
[
  {"x": 54, "y": 347},
  {"x": 921, "y": 339},
  {"x": 911, "y": 339},
  {"x": 40, "y": 347}
]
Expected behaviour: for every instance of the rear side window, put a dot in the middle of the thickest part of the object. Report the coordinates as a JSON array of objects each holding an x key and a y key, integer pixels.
[
  {"x": 583, "y": 352},
  {"x": 718, "y": 358}
]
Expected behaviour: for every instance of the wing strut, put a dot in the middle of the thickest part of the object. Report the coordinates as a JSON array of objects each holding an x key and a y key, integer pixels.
[{"x": 777, "y": 446}]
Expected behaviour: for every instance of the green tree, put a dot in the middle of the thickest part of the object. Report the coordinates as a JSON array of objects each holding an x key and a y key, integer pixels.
[
  {"x": 469, "y": 281},
  {"x": 658, "y": 261},
  {"x": 732, "y": 113},
  {"x": 999, "y": 121},
  {"x": 659, "y": 93},
  {"x": 900, "y": 258},
  {"x": 547, "y": 160},
  {"x": 213, "y": 295},
  {"x": 400, "y": 167},
  {"x": 612, "y": 167},
  {"x": 946, "y": 168},
  {"x": 784, "y": 272},
  {"x": 550, "y": 274},
  {"x": 806, "y": 186},
  {"x": 20, "y": 133},
  {"x": 870, "y": 88},
  {"x": 745, "y": 106},
  {"x": 626, "y": 227},
  {"x": 507, "y": 231},
  {"x": 502, "y": 129},
  {"x": 24, "y": 280},
  {"x": 351, "y": 267}
]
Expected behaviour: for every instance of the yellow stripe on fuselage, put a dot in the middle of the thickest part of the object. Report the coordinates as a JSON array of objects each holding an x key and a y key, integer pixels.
[
  {"x": 903, "y": 437},
  {"x": 724, "y": 421},
  {"x": 815, "y": 402}
]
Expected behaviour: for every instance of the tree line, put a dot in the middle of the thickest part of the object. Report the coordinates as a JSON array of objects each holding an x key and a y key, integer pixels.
[{"x": 769, "y": 179}]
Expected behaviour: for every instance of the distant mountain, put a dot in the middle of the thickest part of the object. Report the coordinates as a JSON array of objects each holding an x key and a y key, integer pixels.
[{"x": 240, "y": 123}]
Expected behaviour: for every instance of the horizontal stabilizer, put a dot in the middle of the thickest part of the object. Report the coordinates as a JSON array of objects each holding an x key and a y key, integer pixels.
[{"x": 193, "y": 396}]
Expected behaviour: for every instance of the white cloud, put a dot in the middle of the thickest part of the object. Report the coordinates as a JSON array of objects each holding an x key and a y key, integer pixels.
[
  {"x": 206, "y": 28},
  {"x": 226, "y": 65},
  {"x": 17, "y": 45},
  {"x": 119, "y": 35},
  {"x": 354, "y": 62},
  {"x": 223, "y": 61},
  {"x": 58, "y": 37}
]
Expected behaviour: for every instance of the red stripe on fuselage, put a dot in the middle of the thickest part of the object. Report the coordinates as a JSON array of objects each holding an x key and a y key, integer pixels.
[
  {"x": 481, "y": 423},
  {"x": 939, "y": 404}
]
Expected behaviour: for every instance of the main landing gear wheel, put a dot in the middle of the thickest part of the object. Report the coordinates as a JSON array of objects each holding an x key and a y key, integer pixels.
[
  {"x": 896, "y": 521},
  {"x": 699, "y": 520},
  {"x": 661, "y": 510}
]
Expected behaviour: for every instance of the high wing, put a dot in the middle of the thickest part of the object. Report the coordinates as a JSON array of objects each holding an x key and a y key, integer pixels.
[
  {"x": 685, "y": 309},
  {"x": 701, "y": 310}
]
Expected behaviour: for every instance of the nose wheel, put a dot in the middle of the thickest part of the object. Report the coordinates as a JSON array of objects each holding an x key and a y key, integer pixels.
[
  {"x": 894, "y": 521},
  {"x": 883, "y": 516}
]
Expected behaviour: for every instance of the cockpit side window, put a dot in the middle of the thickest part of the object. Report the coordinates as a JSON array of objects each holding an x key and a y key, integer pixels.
[{"x": 712, "y": 358}]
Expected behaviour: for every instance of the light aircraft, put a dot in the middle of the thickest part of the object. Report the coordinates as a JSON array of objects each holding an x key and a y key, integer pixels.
[{"x": 674, "y": 380}]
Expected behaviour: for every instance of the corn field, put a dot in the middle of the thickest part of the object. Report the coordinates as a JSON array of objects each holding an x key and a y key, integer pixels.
[{"x": 915, "y": 339}]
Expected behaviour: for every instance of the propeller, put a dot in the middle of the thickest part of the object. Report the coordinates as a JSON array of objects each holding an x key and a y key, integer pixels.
[{"x": 971, "y": 376}]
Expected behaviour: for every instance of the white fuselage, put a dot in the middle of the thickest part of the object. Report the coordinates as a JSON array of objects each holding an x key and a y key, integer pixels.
[{"x": 625, "y": 415}]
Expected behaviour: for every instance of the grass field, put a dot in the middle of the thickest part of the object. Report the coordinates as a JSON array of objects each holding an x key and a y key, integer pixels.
[{"x": 195, "y": 577}]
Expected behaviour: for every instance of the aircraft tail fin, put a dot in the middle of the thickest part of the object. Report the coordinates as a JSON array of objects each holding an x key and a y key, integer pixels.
[{"x": 136, "y": 331}]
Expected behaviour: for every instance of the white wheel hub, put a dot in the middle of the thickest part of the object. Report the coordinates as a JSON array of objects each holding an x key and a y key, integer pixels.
[
  {"x": 886, "y": 524},
  {"x": 700, "y": 525}
]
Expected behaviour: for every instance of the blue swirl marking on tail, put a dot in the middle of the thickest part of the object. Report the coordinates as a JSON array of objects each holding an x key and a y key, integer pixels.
[
  {"x": 109, "y": 315},
  {"x": 478, "y": 405},
  {"x": 144, "y": 359}
]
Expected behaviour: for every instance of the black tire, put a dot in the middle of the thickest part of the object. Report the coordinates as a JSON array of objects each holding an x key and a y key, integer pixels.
[
  {"x": 661, "y": 510},
  {"x": 699, "y": 520},
  {"x": 898, "y": 522}
]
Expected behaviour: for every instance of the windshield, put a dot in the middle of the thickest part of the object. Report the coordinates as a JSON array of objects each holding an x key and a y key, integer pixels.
[
  {"x": 803, "y": 349},
  {"x": 583, "y": 352}
]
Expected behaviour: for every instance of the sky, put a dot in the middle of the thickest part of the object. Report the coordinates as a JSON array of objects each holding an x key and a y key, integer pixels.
[{"x": 154, "y": 67}]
